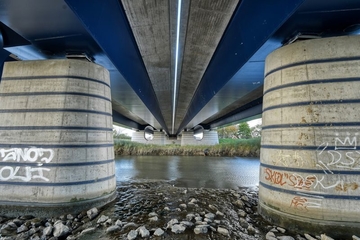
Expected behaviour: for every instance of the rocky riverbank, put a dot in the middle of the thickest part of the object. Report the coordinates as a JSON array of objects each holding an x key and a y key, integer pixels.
[{"x": 158, "y": 210}]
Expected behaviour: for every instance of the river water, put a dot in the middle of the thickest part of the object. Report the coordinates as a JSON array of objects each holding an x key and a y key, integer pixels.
[{"x": 191, "y": 172}]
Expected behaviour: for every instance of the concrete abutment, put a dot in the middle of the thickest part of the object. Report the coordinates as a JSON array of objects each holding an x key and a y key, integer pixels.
[
  {"x": 310, "y": 159},
  {"x": 56, "y": 143}
]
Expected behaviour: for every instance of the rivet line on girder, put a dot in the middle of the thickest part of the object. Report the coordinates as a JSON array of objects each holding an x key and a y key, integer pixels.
[{"x": 176, "y": 63}]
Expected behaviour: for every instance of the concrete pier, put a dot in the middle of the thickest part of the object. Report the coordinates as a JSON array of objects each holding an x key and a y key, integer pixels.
[
  {"x": 310, "y": 167},
  {"x": 56, "y": 145}
]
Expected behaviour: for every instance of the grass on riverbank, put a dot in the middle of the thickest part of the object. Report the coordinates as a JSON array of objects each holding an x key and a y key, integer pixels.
[{"x": 226, "y": 147}]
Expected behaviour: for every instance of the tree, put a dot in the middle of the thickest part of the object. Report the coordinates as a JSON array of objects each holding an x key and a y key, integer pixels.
[
  {"x": 228, "y": 132},
  {"x": 244, "y": 131}
]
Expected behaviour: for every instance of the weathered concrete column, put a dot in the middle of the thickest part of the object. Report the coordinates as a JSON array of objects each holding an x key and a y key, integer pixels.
[
  {"x": 310, "y": 160},
  {"x": 159, "y": 138},
  {"x": 56, "y": 145},
  {"x": 210, "y": 138}
]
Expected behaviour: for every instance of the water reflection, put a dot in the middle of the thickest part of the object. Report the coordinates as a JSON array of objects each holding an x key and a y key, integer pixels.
[{"x": 192, "y": 172}]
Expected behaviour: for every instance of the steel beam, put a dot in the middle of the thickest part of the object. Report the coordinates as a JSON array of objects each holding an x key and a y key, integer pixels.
[
  {"x": 107, "y": 23},
  {"x": 252, "y": 24}
]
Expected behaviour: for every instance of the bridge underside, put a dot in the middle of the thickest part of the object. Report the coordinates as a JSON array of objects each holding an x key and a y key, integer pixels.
[{"x": 173, "y": 64}]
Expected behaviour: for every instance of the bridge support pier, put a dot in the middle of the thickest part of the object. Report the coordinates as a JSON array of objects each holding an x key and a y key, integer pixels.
[
  {"x": 210, "y": 138},
  {"x": 310, "y": 161},
  {"x": 56, "y": 145}
]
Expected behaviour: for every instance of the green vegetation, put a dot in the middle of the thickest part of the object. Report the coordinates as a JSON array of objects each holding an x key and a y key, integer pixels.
[{"x": 226, "y": 147}]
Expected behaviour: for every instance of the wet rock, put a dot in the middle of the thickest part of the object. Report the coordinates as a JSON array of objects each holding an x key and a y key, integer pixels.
[
  {"x": 355, "y": 237},
  {"x": 60, "y": 229},
  {"x": 178, "y": 228},
  {"x": 223, "y": 231},
  {"x": 132, "y": 235},
  {"x": 201, "y": 229},
  {"x": 113, "y": 228},
  {"x": 102, "y": 219},
  {"x": 218, "y": 213},
  {"x": 92, "y": 213},
  {"x": 159, "y": 232},
  {"x": 282, "y": 230},
  {"x": 118, "y": 223}
]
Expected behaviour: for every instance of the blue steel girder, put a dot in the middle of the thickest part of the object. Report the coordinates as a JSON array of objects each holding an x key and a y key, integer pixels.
[
  {"x": 107, "y": 23},
  {"x": 118, "y": 118},
  {"x": 252, "y": 24}
]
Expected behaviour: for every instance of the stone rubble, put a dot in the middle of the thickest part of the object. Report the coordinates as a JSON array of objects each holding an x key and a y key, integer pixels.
[{"x": 156, "y": 210}]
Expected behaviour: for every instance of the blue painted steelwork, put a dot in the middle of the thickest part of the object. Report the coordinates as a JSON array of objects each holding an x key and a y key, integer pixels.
[
  {"x": 118, "y": 118},
  {"x": 253, "y": 23},
  {"x": 107, "y": 23}
]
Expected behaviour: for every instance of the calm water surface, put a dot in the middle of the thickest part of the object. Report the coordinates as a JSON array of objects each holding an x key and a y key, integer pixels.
[{"x": 192, "y": 172}]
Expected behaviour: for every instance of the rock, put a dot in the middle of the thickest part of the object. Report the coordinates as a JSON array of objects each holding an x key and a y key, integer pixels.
[
  {"x": 198, "y": 219},
  {"x": 239, "y": 203},
  {"x": 118, "y": 222},
  {"x": 132, "y": 235},
  {"x": 308, "y": 237},
  {"x": 159, "y": 232},
  {"x": 282, "y": 230},
  {"x": 223, "y": 231},
  {"x": 241, "y": 213},
  {"x": 210, "y": 215},
  {"x": 21, "y": 229},
  {"x": 69, "y": 217},
  {"x": 102, "y": 219},
  {"x": 187, "y": 223},
  {"x": 88, "y": 230},
  {"x": 243, "y": 223},
  {"x": 219, "y": 213},
  {"x": 171, "y": 223},
  {"x": 285, "y": 238},
  {"x": 166, "y": 209},
  {"x": 251, "y": 230},
  {"x": 144, "y": 233},
  {"x": 201, "y": 229},
  {"x": 113, "y": 228},
  {"x": 178, "y": 228},
  {"x": 213, "y": 208},
  {"x": 8, "y": 229},
  {"x": 355, "y": 237},
  {"x": 60, "y": 229},
  {"x": 152, "y": 214},
  {"x": 154, "y": 219},
  {"x": 270, "y": 236},
  {"x": 92, "y": 213},
  {"x": 183, "y": 206},
  {"x": 190, "y": 216},
  {"x": 48, "y": 230},
  {"x": 130, "y": 225},
  {"x": 324, "y": 237}
]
